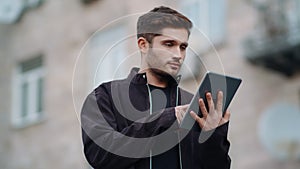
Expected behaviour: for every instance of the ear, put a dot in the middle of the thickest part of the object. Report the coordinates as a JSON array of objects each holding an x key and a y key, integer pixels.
[{"x": 143, "y": 44}]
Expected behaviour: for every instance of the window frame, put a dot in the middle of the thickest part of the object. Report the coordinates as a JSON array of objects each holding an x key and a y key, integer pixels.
[
  {"x": 100, "y": 48},
  {"x": 31, "y": 78},
  {"x": 206, "y": 18}
]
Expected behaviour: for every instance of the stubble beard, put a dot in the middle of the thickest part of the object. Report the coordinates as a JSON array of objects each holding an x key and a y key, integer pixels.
[{"x": 161, "y": 75}]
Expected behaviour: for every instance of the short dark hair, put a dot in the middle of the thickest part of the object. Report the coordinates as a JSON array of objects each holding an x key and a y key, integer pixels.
[{"x": 150, "y": 24}]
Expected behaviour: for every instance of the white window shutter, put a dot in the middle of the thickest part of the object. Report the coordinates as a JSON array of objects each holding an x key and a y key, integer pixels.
[
  {"x": 10, "y": 10},
  {"x": 107, "y": 51},
  {"x": 209, "y": 16}
]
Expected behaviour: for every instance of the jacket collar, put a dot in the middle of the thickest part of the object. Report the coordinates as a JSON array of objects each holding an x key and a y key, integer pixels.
[{"x": 141, "y": 78}]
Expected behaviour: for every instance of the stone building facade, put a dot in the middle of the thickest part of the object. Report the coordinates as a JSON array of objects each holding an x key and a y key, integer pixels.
[{"x": 52, "y": 42}]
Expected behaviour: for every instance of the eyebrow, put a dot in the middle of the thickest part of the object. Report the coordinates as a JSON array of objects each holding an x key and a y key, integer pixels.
[
  {"x": 171, "y": 40},
  {"x": 185, "y": 43}
]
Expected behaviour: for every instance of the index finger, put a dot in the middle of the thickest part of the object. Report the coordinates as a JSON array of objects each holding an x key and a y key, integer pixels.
[{"x": 203, "y": 108}]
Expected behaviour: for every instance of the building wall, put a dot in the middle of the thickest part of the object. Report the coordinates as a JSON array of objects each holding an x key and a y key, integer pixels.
[
  {"x": 5, "y": 95},
  {"x": 59, "y": 29},
  {"x": 260, "y": 89}
]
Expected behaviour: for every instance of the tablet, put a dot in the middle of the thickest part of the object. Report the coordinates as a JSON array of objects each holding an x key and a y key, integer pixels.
[{"x": 212, "y": 82}]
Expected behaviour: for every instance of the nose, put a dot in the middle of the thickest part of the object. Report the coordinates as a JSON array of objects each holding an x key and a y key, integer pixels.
[{"x": 178, "y": 53}]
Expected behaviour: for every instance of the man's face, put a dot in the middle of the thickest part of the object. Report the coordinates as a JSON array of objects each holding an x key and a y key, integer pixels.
[{"x": 167, "y": 51}]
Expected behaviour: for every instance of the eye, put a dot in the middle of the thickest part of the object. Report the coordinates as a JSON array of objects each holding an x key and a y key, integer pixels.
[
  {"x": 168, "y": 44},
  {"x": 183, "y": 47}
]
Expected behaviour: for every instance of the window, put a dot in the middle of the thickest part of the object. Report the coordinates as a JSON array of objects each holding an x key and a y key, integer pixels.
[
  {"x": 293, "y": 16},
  {"x": 32, "y": 3},
  {"x": 108, "y": 51},
  {"x": 87, "y": 1},
  {"x": 29, "y": 93},
  {"x": 208, "y": 16},
  {"x": 11, "y": 11}
]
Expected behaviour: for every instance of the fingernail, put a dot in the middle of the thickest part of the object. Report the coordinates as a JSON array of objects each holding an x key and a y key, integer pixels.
[{"x": 209, "y": 95}]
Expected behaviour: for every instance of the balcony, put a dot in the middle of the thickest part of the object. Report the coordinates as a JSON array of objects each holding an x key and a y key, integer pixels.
[{"x": 275, "y": 43}]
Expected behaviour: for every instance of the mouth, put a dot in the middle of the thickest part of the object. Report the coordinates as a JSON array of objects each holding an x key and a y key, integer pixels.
[{"x": 174, "y": 65}]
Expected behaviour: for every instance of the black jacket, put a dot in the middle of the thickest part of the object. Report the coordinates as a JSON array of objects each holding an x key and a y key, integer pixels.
[{"x": 119, "y": 129}]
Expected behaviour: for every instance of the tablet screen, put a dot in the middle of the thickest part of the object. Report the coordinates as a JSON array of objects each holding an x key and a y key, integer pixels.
[{"x": 212, "y": 82}]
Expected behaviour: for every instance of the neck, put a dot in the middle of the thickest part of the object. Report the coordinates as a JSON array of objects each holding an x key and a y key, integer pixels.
[{"x": 155, "y": 79}]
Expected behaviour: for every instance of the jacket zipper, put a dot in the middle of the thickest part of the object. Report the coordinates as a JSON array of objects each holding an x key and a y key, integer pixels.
[
  {"x": 179, "y": 147},
  {"x": 150, "y": 102},
  {"x": 151, "y": 111}
]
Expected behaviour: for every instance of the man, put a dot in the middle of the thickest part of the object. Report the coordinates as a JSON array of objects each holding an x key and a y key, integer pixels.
[{"x": 134, "y": 123}]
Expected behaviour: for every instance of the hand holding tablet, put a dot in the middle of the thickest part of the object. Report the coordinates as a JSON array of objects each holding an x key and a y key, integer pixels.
[
  {"x": 211, "y": 101},
  {"x": 212, "y": 116}
]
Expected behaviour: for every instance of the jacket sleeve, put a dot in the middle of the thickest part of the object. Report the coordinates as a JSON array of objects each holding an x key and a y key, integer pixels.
[
  {"x": 211, "y": 148},
  {"x": 107, "y": 146}
]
